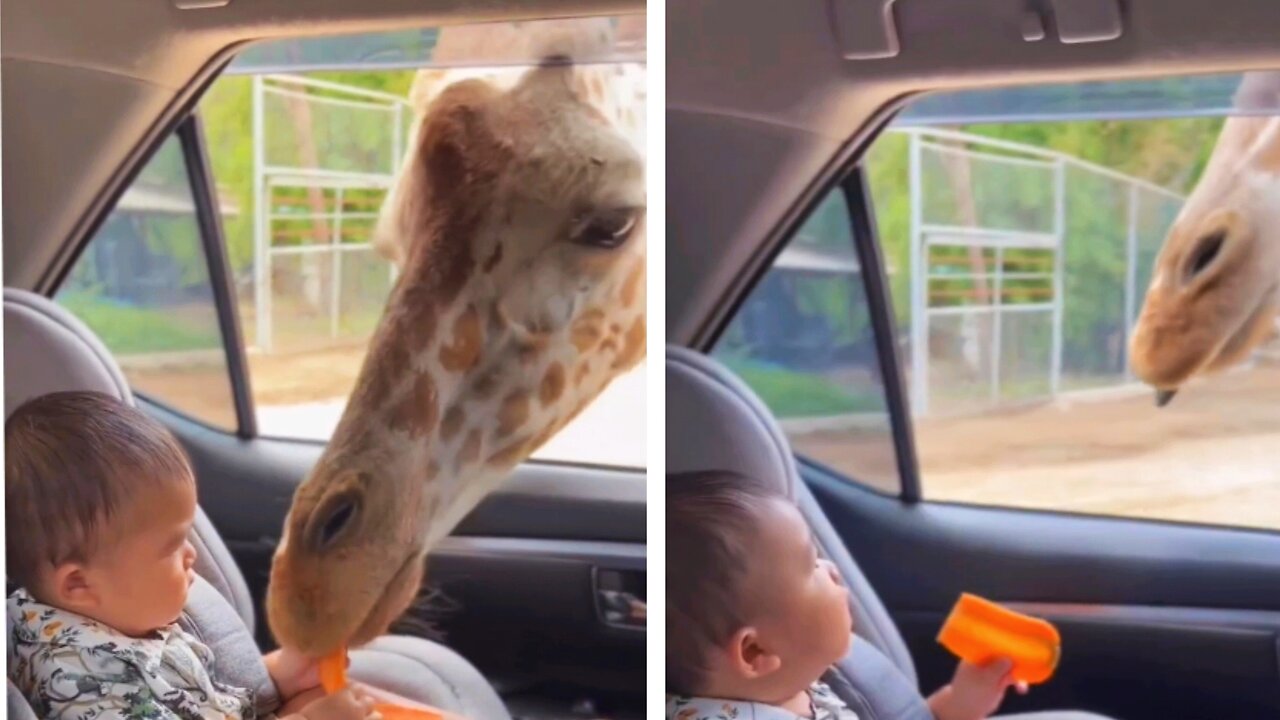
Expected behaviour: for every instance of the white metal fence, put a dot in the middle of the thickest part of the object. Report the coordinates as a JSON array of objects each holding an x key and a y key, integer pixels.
[
  {"x": 1026, "y": 270},
  {"x": 324, "y": 155}
]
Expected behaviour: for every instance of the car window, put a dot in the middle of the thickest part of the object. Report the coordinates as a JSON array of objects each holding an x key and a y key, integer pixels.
[
  {"x": 1022, "y": 227},
  {"x": 142, "y": 284},
  {"x": 803, "y": 341},
  {"x": 306, "y": 136}
]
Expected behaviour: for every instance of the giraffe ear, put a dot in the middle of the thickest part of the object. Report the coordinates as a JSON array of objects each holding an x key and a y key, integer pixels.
[{"x": 455, "y": 139}]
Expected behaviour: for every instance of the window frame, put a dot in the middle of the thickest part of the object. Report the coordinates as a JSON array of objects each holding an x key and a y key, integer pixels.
[
  {"x": 875, "y": 284},
  {"x": 200, "y": 175},
  {"x": 851, "y": 183}
]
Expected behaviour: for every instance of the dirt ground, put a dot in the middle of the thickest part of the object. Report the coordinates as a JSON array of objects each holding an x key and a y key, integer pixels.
[
  {"x": 1211, "y": 456},
  {"x": 281, "y": 379}
]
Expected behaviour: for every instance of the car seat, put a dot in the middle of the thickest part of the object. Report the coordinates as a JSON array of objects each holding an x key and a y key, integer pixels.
[{"x": 47, "y": 349}]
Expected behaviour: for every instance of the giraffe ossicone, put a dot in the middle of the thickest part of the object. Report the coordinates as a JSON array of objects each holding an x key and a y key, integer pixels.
[{"x": 517, "y": 219}]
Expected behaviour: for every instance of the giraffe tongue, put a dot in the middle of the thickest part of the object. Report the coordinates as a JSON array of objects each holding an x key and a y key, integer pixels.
[{"x": 1164, "y": 396}]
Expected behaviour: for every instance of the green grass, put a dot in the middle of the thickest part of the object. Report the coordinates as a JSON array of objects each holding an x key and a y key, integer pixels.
[
  {"x": 791, "y": 394},
  {"x": 135, "y": 331}
]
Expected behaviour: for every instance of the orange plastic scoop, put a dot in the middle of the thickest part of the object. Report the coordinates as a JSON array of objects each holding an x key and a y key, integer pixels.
[
  {"x": 980, "y": 631},
  {"x": 333, "y": 677}
]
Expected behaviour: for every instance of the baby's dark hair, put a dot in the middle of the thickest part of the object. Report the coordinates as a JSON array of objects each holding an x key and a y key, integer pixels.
[
  {"x": 73, "y": 460},
  {"x": 712, "y": 516}
]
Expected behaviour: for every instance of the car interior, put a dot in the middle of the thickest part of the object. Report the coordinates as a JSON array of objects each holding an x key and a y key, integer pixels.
[
  {"x": 529, "y": 609},
  {"x": 771, "y": 109}
]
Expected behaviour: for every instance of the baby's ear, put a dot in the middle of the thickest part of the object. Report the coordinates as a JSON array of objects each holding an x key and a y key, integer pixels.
[
  {"x": 748, "y": 658},
  {"x": 71, "y": 588}
]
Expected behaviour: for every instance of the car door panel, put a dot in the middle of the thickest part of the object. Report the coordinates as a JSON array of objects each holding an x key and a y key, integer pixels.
[{"x": 1157, "y": 620}]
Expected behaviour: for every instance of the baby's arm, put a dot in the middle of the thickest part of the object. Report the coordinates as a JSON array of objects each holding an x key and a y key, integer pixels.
[
  {"x": 346, "y": 704},
  {"x": 974, "y": 693},
  {"x": 292, "y": 672},
  {"x": 301, "y": 700}
]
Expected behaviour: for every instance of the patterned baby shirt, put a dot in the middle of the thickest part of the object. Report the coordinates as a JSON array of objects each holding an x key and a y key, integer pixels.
[
  {"x": 823, "y": 705},
  {"x": 70, "y": 667}
]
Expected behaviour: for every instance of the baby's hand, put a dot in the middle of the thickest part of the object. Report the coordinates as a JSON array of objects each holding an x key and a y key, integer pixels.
[
  {"x": 292, "y": 672},
  {"x": 346, "y": 704},
  {"x": 975, "y": 692}
]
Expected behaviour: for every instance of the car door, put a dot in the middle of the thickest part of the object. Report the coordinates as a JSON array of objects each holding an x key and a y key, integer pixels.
[
  {"x": 235, "y": 282},
  {"x": 933, "y": 294}
]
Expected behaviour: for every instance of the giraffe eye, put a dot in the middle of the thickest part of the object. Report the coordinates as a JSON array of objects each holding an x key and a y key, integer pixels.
[{"x": 607, "y": 229}]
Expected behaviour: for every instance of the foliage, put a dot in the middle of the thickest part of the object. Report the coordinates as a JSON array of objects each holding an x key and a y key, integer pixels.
[
  {"x": 793, "y": 394},
  {"x": 136, "y": 330}
]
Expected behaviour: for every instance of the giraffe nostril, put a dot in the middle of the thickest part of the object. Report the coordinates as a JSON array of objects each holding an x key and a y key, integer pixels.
[
  {"x": 332, "y": 519},
  {"x": 1206, "y": 251}
]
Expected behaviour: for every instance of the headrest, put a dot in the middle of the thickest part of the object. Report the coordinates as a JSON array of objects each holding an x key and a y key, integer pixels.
[
  {"x": 716, "y": 422},
  {"x": 48, "y": 349}
]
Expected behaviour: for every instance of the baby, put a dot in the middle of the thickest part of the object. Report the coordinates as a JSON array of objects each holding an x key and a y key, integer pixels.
[
  {"x": 755, "y": 617},
  {"x": 100, "y": 501}
]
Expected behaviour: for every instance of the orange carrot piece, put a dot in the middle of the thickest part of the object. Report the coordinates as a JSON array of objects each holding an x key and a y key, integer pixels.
[
  {"x": 399, "y": 712},
  {"x": 980, "y": 631},
  {"x": 333, "y": 671},
  {"x": 333, "y": 677}
]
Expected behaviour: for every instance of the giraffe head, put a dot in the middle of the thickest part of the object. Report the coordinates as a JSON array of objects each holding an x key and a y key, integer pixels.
[
  {"x": 517, "y": 220},
  {"x": 1215, "y": 287}
]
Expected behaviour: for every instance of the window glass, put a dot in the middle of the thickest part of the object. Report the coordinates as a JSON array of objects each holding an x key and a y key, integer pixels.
[
  {"x": 307, "y": 135},
  {"x": 1022, "y": 227},
  {"x": 803, "y": 341},
  {"x": 142, "y": 285}
]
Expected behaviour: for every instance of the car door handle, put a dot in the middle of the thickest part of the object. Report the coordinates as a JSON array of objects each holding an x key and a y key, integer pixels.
[{"x": 619, "y": 601}]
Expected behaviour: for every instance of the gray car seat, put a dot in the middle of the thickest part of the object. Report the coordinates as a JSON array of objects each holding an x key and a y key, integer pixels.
[
  {"x": 47, "y": 350},
  {"x": 715, "y": 422}
]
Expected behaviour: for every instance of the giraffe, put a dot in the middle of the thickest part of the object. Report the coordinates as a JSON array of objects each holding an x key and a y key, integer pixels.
[
  {"x": 517, "y": 220},
  {"x": 1215, "y": 288}
]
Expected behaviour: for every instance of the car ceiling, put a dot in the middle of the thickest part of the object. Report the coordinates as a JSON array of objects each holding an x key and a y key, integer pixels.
[
  {"x": 89, "y": 88},
  {"x": 763, "y": 109}
]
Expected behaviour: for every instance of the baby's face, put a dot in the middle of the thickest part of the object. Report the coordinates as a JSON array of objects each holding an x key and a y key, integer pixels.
[
  {"x": 141, "y": 580},
  {"x": 802, "y": 606}
]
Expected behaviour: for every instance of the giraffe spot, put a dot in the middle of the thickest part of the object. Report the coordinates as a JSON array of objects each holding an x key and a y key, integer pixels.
[
  {"x": 633, "y": 346},
  {"x": 494, "y": 259},
  {"x": 582, "y": 372},
  {"x": 609, "y": 345},
  {"x": 532, "y": 347},
  {"x": 390, "y": 361},
  {"x": 510, "y": 454},
  {"x": 513, "y": 413},
  {"x": 586, "y": 331},
  {"x": 631, "y": 286},
  {"x": 433, "y": 471},
  {"x": 470, "y": 451},
  {"x": 463, "y": 352},
  {"x": 417, "y": 412},
  {"x": 484, "y": 386},
  {"x": 416, "y": 325},
  {"x": 452, "y": 423},
  {"x": 552, "y": 384}
]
